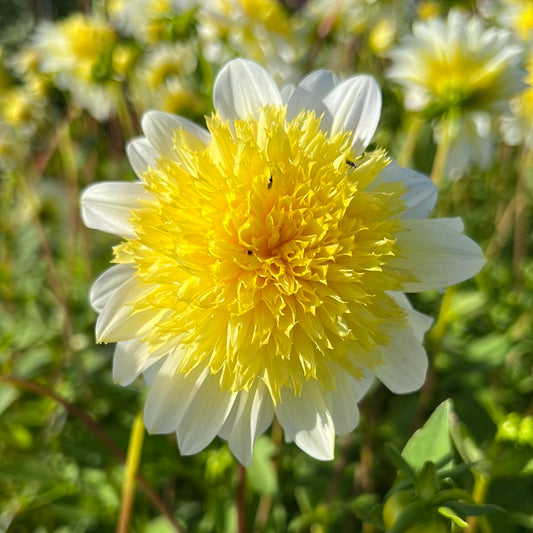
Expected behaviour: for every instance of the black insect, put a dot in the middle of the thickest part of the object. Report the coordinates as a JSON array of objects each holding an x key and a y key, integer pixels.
[
  {"x": 351, "y": 163},
  {"x": 249, "y": 252},
  {"x": 269, "y": 183}
]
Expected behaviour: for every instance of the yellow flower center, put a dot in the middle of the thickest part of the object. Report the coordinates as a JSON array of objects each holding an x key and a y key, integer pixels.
[
  {"x": 269, "y": 12},
  {"x": 266, "y": 252},
  {"x": 523, "y": 20},
  {"x": 88, "y": 38}
]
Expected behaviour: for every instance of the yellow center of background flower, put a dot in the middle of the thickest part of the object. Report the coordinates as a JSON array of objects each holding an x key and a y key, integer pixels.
[{"x": 265, "y": 253}]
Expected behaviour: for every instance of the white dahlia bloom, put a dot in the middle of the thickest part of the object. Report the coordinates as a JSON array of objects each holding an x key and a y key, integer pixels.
[
  {"x": 459, "y": 70},
  {"x": 75, "y": 52},
  {"x": 264, "y": 263}
]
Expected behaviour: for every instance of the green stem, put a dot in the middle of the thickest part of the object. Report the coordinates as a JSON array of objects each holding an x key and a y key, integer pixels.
[
  {"x": 443, "y": 149},
  {"x": 479, "y": 493},
  {"x": 132, "y": 468},
  {"x": 405, "y": 155},
  {"x": 521, "y": 217},
  {"x": 443, "y": 319},
  {"x": 124, "y": 117}
]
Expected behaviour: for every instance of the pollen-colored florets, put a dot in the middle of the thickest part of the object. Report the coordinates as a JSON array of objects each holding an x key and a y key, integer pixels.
[{"x": 278, "y": 252}]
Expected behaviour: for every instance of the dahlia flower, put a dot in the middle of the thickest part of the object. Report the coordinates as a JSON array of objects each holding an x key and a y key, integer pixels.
[
  {"x": 76, "y": 52},
  {"x": 459, "y": 71},
  {"x": 264, "y": 263}
]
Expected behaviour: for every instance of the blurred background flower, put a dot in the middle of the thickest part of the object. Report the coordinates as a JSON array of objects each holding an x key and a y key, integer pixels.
[{"x": 460, "y": 74}]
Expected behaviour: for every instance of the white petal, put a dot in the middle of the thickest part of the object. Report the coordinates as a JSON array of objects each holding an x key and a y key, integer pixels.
[
  {"x": 286, "y": 91},
  {"x": 131, "y": 358},
  {"x": 250, "y": 416},
  {"x": 141, "y": 155},
  {"x": 160, "y": 128},
  {"x": 107, "y": 283},
  {"x": 204, "y": 416},
  {"x": 310, "y": 93},
  {"x": 151, "y": 371},
  {"x": 107, "y": 206},
  {"x": 437, "y": 253},
  {"x": 241, "y": 88},
  {"x": 355, "y": 105},
  {"x": 169, "y": 396},
  {"x": 117, "y": 322},
  {"x": 342, "y": 403},
  {"x": 421, "y": 194},
  {"x": 307, "y": 421},
  {"x": 418, "y": 322},
  {"x": 127, "y": 360},
  {"x": 405, "y": 362}
]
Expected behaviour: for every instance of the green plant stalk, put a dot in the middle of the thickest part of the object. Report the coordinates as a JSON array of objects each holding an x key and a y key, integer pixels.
[
  {"x": 124, "y": 117},
  {"x": 521, "y": 217},
  {"x": 405, "y": 155},
  {"x": 132, "y": 467},
  {"x": 443, "y": 149},
  {"x": 479, "y": 492},
  {"x": 444, "y": 318}
]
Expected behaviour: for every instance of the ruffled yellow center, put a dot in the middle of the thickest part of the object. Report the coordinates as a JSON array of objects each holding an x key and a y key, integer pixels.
[{"x": 265, "y": 252}]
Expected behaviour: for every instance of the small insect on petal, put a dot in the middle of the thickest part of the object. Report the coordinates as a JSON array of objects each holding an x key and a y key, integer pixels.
[{"x": 269, "y": 183}]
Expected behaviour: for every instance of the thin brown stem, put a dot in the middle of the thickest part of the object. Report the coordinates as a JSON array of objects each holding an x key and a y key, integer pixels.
[
  {"x": 241, "y": 514},
  {"x": 99, "y": 433}
]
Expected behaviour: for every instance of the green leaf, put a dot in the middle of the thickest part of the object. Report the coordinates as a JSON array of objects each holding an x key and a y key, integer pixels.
[
  {"x": 409, "y": 516},
  {"x": 432, "y": 441},
  {"x": 399, "y": 462},
  {"x": 8, "y": 394},
  {"x": 261, "y": 474},
  {"x": 466, "y": 446},
  {"x": 449, "y": 513},
  {"x": 471, "y": 509},
  {"x": 367, "y": 509},
  {"x": 490, "y": 350},
  {"x": 159, "y": 525}
]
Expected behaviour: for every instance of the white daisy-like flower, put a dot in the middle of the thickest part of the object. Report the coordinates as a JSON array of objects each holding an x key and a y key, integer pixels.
[
  {"x": 458, "y": 70},
  {"x": 76, "y": 52},
  {"x": 264, "y": 263},
  {"x": 162, "y": 78}
]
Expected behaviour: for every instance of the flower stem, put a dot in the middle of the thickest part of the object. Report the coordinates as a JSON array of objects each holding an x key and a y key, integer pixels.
[
  {"x": 443, "y": 149},
  {"x": 521, "y": 217},
  {"x": 241, "y": 518},
  {"x": 479, "y": 492},
  {"x": 132, "y": 467},
  {"x": 405, "y": 155}
]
